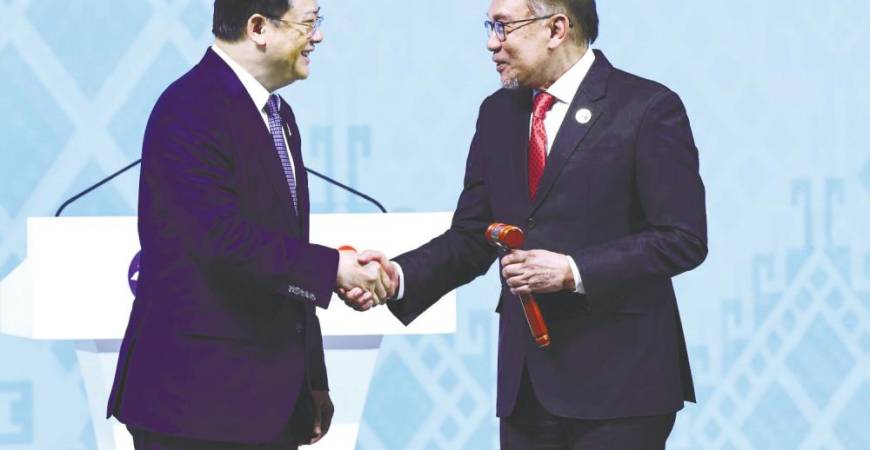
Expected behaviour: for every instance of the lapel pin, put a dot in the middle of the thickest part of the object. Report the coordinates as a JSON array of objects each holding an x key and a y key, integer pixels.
[{"x": 583, "y": 116}]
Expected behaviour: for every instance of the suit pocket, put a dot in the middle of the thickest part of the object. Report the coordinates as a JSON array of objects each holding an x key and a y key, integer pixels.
[
  {"x": 223, "y": 340},
  {"x": 604, "y": 153},
  {"x": 218, "y": 336},
  {"x": 642, "y": 299},
  {"x": 562, "y": 306},
  {"x": 215, "y": 328},
  {"x": 612, "y": 304}
]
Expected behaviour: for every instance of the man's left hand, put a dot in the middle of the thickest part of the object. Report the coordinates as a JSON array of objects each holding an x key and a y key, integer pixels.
[
  {"x": 537, "y": 272},
  {"x": 323, "y": 411},
  {"x": 359, "y": 299}
]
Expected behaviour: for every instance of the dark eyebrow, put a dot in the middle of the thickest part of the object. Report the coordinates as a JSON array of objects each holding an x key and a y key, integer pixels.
[
  {"x": 310, "y": 16},
  {"x": 500, "y": 17}
]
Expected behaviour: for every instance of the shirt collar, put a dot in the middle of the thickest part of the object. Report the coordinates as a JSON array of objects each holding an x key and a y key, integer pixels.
[
  {"x": 259, "y": 94},
  {"x": 566, "y": 86}
]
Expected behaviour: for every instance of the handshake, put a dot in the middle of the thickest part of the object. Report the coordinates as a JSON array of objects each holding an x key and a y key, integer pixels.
[{"x": 366, "y": 279}]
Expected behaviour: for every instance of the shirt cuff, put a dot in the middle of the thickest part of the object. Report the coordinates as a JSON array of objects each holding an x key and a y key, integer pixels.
[
  {"x": 580, "y": 289},
  {"x": 401, "y": 292}
]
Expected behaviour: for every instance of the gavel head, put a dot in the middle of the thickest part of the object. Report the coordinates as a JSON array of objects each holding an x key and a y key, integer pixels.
[{"x": 505, "y": 236}]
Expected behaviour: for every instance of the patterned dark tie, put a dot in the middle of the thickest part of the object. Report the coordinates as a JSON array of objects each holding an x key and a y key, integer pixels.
[
  {"x": 538, "y": 140},
  {"x": 277, "y": 130}
]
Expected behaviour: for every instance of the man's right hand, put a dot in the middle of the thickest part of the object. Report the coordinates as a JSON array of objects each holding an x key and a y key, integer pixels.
[
  {"x": 362, "y": 300},
  {"x": 368, "y": 281}
]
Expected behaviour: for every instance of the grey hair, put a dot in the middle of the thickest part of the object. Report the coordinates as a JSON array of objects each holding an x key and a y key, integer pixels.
[
  {"x": 542, "y": 8},
  {"x": 582, "y": 14}
]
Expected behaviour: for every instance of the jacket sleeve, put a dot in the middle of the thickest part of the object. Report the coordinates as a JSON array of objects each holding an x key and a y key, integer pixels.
[
  {"x": 188, "y": 174},
  {"x": 456, "y": 257},
  {"x": 671, "y": 194}
]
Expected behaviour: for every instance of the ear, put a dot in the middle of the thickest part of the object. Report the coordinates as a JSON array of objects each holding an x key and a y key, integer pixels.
[
  {"x": 256, "y": 29},
  {"x": 560, "y": 30}
]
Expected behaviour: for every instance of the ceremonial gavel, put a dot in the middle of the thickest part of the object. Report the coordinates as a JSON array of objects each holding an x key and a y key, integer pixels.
[{"x": 506, "y": 238}]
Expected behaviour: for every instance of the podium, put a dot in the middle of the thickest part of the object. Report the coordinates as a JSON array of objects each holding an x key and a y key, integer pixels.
[{"x": 76, "y": 283}]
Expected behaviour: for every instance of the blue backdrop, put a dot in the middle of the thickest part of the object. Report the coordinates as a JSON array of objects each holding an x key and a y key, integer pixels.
[{"x": 777, "y": 319}]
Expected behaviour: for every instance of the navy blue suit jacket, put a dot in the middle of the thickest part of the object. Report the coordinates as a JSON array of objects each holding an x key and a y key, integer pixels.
[
  {"x": 222, "y": 335},
  {"x": 621, "y": 194}
]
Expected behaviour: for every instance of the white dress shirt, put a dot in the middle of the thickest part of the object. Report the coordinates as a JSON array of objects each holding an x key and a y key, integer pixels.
[
  {"x": 259, "y": 94},
  {"x": 563, "y": 90}
]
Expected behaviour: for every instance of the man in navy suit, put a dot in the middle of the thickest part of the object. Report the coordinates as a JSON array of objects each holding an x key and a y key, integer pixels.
[
  {"x": 600, "y": 169},
  {"x": 223, "y": 348}
]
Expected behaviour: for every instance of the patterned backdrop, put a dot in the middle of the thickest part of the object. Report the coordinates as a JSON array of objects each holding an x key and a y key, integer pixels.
[{"x": 777, "y": 319}]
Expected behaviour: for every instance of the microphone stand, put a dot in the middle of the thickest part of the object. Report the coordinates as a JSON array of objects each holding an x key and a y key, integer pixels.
[
  {"x": 139, "y": 161},
  {"x": 98, "y": 184}
]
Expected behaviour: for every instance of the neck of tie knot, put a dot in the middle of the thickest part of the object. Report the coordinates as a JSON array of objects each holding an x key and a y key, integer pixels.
[
  {"x": 273, "y": 104},
  {"x": 543, "y": 102}
]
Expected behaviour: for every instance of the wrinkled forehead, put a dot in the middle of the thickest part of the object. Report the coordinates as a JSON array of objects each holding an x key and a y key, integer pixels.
[{"x": 507, "y": 10}]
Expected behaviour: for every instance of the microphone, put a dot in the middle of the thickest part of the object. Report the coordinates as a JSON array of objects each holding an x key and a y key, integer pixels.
[
  {"x": 138, "y": 161},
  {"x": 506, "y": 238}
]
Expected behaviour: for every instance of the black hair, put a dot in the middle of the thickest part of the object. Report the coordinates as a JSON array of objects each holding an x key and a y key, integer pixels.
[
  {"x": 231, "y": 16},
  {"x": 583, "y": 12}
]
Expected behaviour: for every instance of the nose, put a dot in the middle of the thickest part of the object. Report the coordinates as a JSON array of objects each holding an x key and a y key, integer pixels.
[
  {"x": 492, "y": 43},
  {"x": 317, "y": 37}
]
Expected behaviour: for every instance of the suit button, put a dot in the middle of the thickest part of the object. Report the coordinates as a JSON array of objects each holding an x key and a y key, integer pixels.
[
  {"x": 300, "y": 328},
  {"x": 530, "y": 224}
]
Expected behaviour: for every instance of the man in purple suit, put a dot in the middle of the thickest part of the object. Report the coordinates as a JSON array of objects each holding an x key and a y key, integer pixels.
[
  {"x": 600, "y": 169},
  {"x": 223, "y": 348}
]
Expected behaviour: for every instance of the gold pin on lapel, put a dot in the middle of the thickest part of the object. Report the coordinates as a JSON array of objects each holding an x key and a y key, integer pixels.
[{"x": 583, "y": 116}]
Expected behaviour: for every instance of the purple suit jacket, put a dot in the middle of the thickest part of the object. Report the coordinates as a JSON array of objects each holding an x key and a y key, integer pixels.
[
  {"x": 622, "y": 195},
  {"x": 222, "y": 337}
]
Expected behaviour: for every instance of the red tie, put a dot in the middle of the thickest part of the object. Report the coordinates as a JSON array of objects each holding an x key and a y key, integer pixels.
[{"x": 538, "y": 140}]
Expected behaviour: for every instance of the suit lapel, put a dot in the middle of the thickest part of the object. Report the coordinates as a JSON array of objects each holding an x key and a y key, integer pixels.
[
  {"x": 295, "y": 145},
  {"x": 255, "y": 138},
  {"x": 517, "y": 123},
  {"x": 571, "y": 132}
]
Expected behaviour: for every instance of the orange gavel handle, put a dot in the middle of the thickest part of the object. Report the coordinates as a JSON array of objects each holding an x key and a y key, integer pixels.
[
  {"x": 536, "y": 320},
  {"x": 509, "y": 237}
]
